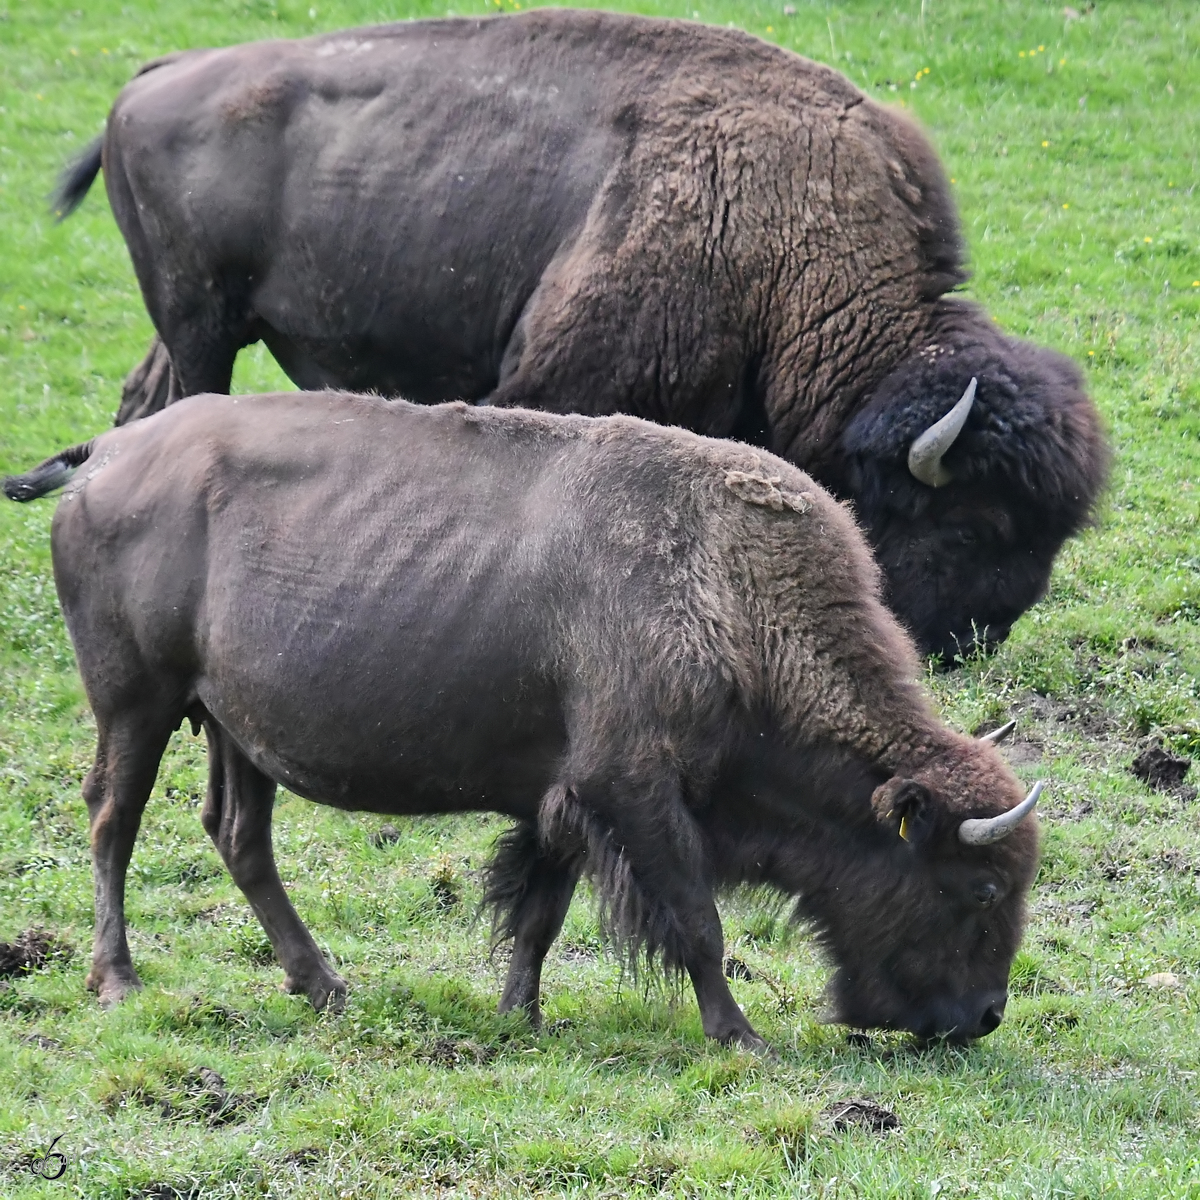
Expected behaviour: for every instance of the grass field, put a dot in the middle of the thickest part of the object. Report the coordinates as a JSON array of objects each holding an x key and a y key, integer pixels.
[{"x": 1072, "y": 142}]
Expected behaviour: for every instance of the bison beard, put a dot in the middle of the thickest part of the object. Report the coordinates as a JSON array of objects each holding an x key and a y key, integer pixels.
[
  {"x": 602, "y": 213},
  {"x": 663, "y": 656}
]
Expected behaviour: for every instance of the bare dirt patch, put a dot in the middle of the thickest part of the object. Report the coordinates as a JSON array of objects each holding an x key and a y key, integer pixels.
[
  {"x": 861, "y": 1113},
  {"x": 32, "y": 950},
  {"x": 1158, "y": 768}
]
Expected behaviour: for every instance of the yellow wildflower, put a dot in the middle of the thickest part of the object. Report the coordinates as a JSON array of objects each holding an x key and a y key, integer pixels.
[
  {"x": 1020, "y": 53},
  {"x": 1066, "y": 206},
  {"x": 1147, "y": 239},
  {"x": 1041, "y": 48},
  {"x": 1045, "y": 144}
]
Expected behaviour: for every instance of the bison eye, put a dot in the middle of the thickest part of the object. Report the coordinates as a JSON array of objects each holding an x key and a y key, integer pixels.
[{"x": 985, "y": 894}]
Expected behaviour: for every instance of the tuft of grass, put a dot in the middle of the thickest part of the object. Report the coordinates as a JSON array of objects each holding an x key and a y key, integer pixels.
[{"x": 1065, "y": 160}]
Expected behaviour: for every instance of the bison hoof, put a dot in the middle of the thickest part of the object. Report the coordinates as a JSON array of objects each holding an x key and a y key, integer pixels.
[
  {"x": 513, "y": 1001},
  {"x": 749, "y": 1041},
  {"x": 111, "y": 987},
  {"x": 326, "y": 992}
]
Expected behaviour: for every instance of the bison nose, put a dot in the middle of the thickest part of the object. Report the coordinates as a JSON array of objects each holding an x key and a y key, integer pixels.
[
  {"x": 990, "y": 1018},
  {"x": 991, "y": 1013}
]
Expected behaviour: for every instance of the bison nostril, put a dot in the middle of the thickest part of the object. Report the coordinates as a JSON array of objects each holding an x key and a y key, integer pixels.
[{"x": 990, "y": 1018}]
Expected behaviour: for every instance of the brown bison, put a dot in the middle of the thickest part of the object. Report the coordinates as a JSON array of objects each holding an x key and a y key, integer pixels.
[
  {"x": 601, "y": 213},
  {"x": 663, "y": 656}
]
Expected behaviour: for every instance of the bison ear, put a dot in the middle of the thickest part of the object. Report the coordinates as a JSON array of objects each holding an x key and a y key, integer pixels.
[{"x": 905, "y": 806}]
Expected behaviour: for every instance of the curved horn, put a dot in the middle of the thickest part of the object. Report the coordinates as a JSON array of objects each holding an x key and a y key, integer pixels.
[
  {"x": 925, "y": 454},
  {"x": 986, "y": 830},
  {"x": 998, "y": 735}
]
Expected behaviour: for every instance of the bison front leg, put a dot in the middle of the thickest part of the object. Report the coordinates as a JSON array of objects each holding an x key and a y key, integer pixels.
[
  {"x": 128, "y": 751},
  {"x": 653, "y": 870},
  {"x": 237, "y": 816},
  {"x": 530, "y": 893},
  {"x": 719, "y": 1012}
]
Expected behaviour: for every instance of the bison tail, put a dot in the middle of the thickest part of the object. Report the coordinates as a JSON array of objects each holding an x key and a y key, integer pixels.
[
  {"x": 77, "y": 176},
  {"x": 47, "y": 476}
]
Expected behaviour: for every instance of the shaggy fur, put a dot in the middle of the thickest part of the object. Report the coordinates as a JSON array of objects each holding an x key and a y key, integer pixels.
[
  {"x": 602, "y": 213},
  {"x": 664, "y": 657}
]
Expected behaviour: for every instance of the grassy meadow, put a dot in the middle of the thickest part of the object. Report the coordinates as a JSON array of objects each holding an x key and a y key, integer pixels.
[{"x": 1072, "y": 140}]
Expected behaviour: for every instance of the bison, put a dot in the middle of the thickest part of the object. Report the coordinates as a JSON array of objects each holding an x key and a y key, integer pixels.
[
  {"x": 663, "y": 656},
  {"x": 605, "y": 213}
]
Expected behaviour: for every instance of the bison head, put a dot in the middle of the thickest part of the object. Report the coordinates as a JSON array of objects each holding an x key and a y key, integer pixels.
[
  {"x": 921, "y": 908},
  {"x": 969, "y": 466}
]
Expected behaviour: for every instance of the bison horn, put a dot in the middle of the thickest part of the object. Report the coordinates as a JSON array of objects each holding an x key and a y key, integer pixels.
[
  {"x": 925, "y": 454},
  {"x": 998, "y": 735},
  {"x": 985, "y": 831}
]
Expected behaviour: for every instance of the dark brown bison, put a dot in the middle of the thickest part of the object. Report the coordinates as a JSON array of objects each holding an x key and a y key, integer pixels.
[
  {"x": 601, "y": 213},
  {"x": 665, "y": 657}
]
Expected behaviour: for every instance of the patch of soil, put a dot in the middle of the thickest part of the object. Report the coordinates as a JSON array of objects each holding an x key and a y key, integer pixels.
[
  {"x": 1022, "y": 753},
  {"x": 41, "y": 1041},
  {"x": 32, "y": 950},
  {"x": 444, "y": 886},
  {"x": 1087, "y": 716},
  {"x": 456, "y": 1052},
  {"x": 306, "y": 1156},
  {"x": 576, "y": 952},
  {"x": 1067, "y": 912},
  {"x": 1114, "y": 869},
  {"x": 1064, "y": 808},
  {"x": 166, "y": 1191},
  {"x": 1174, "y": 859},
  {"x": 206, "y": 1098},
  {"x": 216, "y": 913},
  {"x": 388, "y": 835},
  {"x": 736, "y": 969},
  {"x": 861, "y": 1113},
  {"x": 1158, "y": 768}
]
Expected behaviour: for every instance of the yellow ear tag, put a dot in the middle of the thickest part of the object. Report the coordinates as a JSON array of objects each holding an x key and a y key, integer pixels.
[{"x": 904, "y": 828}]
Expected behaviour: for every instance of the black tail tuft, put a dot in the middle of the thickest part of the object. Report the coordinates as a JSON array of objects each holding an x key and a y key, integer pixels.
[
  {"x": 76, "y": 178},
  {"x": 47, "y": 476}
]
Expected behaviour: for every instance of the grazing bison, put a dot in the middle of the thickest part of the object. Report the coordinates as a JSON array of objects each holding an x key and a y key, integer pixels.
[
  {"x": 604, "y": 213},
  {"x": 664, "y": 656}
]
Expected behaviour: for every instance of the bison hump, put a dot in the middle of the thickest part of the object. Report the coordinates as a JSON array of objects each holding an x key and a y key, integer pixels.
[{"x": 756, "y": 487}]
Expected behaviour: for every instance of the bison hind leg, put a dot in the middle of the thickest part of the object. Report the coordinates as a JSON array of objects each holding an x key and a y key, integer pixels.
[
  {"x": 528, "y": 888},
  {"x": 129, "y": 746},
  {"x": 150, "y": 386}
]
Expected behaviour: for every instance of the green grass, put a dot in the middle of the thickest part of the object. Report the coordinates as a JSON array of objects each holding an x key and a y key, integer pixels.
[{"x": 1090, "y": 243}]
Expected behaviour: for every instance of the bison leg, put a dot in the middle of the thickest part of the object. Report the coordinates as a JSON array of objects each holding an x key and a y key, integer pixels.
[
  {"x": 116, "y": 789},
  {"x": 150, "y": 386},
  {"x": 237, "y": 816},
  {"x": 652, "y": 870},
  {"x": 531, "y": 893}
]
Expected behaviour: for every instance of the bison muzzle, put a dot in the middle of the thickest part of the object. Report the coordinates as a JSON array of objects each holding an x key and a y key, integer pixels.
[{"x": 663, "y": 656}]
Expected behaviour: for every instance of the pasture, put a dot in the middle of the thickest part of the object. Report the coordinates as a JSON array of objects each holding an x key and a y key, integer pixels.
[{"x": 1070, "y": 136}]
